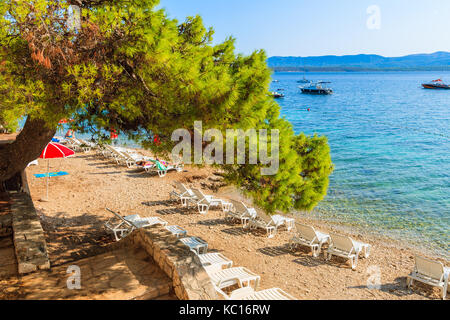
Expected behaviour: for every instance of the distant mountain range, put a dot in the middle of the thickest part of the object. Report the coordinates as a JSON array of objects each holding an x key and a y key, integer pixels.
[{"x": 434, "y": 61}]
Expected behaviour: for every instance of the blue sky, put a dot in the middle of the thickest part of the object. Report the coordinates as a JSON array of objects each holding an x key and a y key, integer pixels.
[{"x": 310, "y": 28}]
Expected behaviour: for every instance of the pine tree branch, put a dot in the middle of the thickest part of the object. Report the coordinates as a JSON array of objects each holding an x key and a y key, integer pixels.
[{"x": 132, "y": 74}]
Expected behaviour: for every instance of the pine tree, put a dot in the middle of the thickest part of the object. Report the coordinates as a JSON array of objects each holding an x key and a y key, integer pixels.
[{"x": 128, "y": 67}]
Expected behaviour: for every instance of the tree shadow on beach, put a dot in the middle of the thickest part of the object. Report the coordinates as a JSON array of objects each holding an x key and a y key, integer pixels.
[
  {"x": 275, "y": 251},
  {"x": 212, "y": 222},
  {"x": 106, "y": 173},
  {"x": 165, "y": 203},
  {"x": 336, "y": 261},
  {"x": 310, "y": 261},
  {"x": 400, "y": 289},
  {"x": 73, "y": 238},
  {"x": 138, "y": 174},
  {"x": 87, "y": 156},
  {"x": 235, "y": 231},
  {"x": 168, "y": 212},
  {"x": 101, "y": 164},
  {"x": 173, "y": 211}
]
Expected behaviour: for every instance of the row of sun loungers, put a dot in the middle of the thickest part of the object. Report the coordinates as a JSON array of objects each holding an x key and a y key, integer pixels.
[
  {"x": 219, "y": 268},
  {"x": 132, "y": 159},
  {"x": 233, "y": 210},
  {"x": 426, "y": 271},
  {"x": 79, "y": 145},
  {"x": 223, "y": 274},
  {"x": 250, "y": 218},
  {"x": 197, "y": 198},
  {"x": 338, "y": 245},
  {"x": 123, "y": 156},
  {"x": 237, "y": 211}
]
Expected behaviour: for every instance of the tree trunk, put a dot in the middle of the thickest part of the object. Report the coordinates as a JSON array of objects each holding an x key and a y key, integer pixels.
[{"x": 27, "y": 147}]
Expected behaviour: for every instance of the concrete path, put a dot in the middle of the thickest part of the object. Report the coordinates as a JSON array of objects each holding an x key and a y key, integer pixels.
[{"x": 119, "y": 275}]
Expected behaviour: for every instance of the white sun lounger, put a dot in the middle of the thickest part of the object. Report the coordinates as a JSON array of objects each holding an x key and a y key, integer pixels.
[
  {"x": 182, "y": 193},
  {"x": 269, "y": 223},
  {"x": 270, "y": 294},
  {"x": 177, "y": 231},
  {"x": 195, "y": 244},
  {"x": 247, "y": 293},
  {"x": 261, "y": 222},
  {"x": 309, "y": 237},
  {"x": 280, "y": 221},
  {"x": 108, "y": 152},
  {"x": 114, "y": 154},
  {"x": 223, "y": 278},
  {"x": 89, "y": 145},
  {"x": 132, "y": 158},
  {"x": 128, "y": 224},
  {"x": 430, "y": 272},
  {"x": 239, "y": 212},
  {"x": 162, "y": 169},
  {"x": 348, "y": 248},
  {"x": 119, "y": 156},
  {"x": 79, "y": 145},
  {"x": 204, "y": 202},
  {"x": 209, "y": 259}
]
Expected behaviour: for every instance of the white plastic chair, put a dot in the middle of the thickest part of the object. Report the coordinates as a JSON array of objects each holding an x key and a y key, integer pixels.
[
  {"x": 430, "y": 272},
  {"x": 309, "y": 237},
  {"x": 223, "y": 278},
  {"x": 195, "y": 244},
  {"x": 130, "y": 223},
  {"x": 132, "y": 158},
  {"x": 262, "y": 222},
  {"x": 348, "y": 248},
  {"x": 209, "y": 259},
  {"x": 178, "y": 167},
  {"x": 280, "y": 220},
  {"x": 204, "y": 202},
  {"x": 247, "y": 293},
  {"x": 182, "y": 193},
  {"x": 177, "y": 231},
  {"x": 239, "y": 212}
]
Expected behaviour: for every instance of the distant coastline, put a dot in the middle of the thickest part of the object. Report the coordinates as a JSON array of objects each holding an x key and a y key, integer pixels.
[
  {"x": 353, "y": 69},
  {"x": 438, "y": 61}
]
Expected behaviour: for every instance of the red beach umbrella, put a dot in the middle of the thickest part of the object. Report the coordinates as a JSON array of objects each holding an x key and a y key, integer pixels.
[{"x": 54, "y": 151}]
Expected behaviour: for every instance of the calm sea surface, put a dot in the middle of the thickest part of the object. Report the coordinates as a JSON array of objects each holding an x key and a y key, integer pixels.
[{"x": 390, "y": 143}]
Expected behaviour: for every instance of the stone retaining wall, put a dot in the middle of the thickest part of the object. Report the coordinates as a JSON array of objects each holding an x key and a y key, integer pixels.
[
  {"x": 189, "y": 279},
  {"x": 28, "y": 235}
]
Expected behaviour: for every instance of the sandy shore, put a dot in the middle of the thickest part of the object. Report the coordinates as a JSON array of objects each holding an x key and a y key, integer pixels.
[{"x": 74, "y": 217}]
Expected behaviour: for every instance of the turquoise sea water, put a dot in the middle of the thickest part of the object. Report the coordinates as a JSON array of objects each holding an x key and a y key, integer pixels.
[{"x": 390, "y": 143}]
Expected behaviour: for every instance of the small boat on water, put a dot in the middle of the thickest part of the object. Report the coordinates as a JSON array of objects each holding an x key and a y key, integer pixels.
[
  {"x": 317, "y": 88},
  {"x": 436, "y": 84},
  {"x": 304, "y": 80},
  {"x": 277, "y": 95}
]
